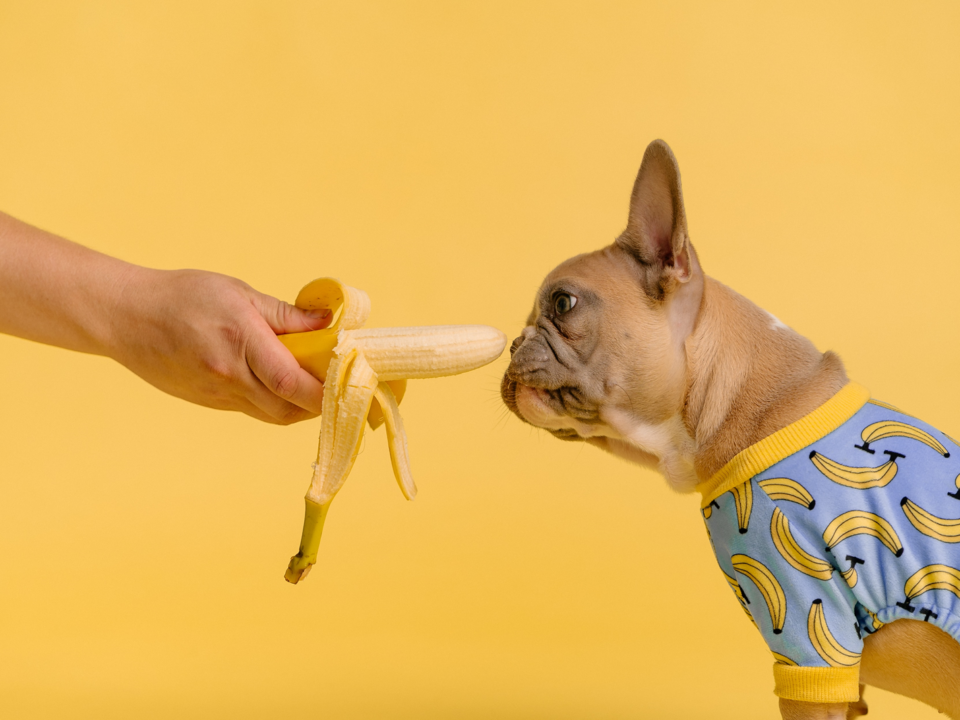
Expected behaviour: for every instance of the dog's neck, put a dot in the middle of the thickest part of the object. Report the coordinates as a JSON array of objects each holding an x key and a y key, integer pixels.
[{"x": 748, "y": 376}]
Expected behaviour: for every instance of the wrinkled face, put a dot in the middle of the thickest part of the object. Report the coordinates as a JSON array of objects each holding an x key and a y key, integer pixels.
[{"x": 598, "y": 356}]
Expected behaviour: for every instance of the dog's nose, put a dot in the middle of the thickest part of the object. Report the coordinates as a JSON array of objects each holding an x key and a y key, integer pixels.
[{"x": 528, "y": 332}]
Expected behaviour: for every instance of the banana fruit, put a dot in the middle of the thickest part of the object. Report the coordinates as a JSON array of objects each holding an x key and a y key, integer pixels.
[
  {"x": 364, "y": 374},
  {"x": 933, "y": 577},
  {"x": 861, "y": 522},
  {"x": 861, "y": 478},
  {"x": 791, "y": 551},
  {"x": 891, "y": 428},
  {"x": 787, "y": 489},
  {"x": 767, "y": 584},
  {"x": 824, "y": 642},
  {"x": 938, "y": 528}
]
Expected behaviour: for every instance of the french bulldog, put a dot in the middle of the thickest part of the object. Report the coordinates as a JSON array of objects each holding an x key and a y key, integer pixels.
[{"x": 633, "y": 349}]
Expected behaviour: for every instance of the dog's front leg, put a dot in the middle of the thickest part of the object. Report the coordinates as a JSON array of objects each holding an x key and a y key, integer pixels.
[{"x": 798, "y": 710}]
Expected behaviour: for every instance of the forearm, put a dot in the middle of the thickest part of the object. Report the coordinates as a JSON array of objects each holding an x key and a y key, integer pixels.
[
  {"x": 57, "y": 292},
  {"x": 200, "y": 336}
]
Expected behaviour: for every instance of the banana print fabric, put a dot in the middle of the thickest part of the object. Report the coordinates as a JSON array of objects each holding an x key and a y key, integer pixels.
[{"x": 859, "y": 528}]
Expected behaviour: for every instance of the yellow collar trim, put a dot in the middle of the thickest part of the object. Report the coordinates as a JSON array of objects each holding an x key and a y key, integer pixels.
[{"x": 785, "y": 442}]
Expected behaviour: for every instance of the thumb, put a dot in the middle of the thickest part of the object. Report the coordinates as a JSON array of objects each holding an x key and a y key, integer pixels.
[{"x": 283, "y": 317}]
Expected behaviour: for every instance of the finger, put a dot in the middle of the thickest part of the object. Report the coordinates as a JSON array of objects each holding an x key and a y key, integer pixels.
[
  {"x": 283, "y": 317},
  {"x": 248, "y": 408},
  {"x": 267, "y": 407},
  {"x": 279, "y": 372}
]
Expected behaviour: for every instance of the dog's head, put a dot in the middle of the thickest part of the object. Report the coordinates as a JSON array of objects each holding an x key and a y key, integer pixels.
[{"x": 602, "y": 355}]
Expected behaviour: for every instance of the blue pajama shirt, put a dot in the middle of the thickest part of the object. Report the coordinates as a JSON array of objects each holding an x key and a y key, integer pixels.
[{"x": 843, "y": 521}]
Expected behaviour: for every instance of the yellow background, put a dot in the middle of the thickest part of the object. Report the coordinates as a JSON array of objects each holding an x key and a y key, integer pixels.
[{"x": 442, "y": 156}]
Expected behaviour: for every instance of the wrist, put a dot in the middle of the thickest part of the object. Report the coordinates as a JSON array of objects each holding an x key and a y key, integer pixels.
[{"x": 121, "y": 304}]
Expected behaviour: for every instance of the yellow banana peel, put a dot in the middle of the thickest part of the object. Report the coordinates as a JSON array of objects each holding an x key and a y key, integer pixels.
[{"x": 365, "y": 373}]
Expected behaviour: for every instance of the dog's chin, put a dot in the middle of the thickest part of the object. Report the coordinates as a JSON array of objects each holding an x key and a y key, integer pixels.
[{"x": 532, "y": 405}]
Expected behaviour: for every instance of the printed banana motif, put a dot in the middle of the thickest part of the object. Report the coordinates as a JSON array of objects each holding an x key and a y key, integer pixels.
[
  {"x": 876, "y": 623},
  {"x": 891, "y": 428},
  {"x": 938, "y": 528},
  {"x": 783, "y": 660},
  {"x": 791, "y": 551},
  {"x": 735, "y": 586},
  {"x": 867, "y": 620},
  {"x": 861, "y": 478},
  {"x": 861, "y": 522},
  {"x": 888, "y": 406},
  {"x": 743, "y": 499},
  {"x": 738, "y": 591},
  {"x": 933, "y": 577},
  {"x": 708, "y": 510},
  {"x": 956, "y": 495},
  {"x": 826, "y": 645},
  {"x": 850, "y": 576},
  {"x": 706, "y": 526},
  {"x": 365, "y": 374},
  {"x": 787, "y": 489},
  {"x": 768, "y": 585}
]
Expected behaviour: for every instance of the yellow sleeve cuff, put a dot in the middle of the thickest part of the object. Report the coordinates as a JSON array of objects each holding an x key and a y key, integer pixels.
[{"x": 817, "y": 684}]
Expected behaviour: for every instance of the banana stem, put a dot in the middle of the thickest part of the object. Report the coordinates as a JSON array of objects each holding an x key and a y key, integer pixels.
[{"x": 301, "y": 563}]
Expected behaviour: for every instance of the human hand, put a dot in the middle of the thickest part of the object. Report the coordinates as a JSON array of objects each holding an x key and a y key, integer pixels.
[{"x": 212, "y": 339}]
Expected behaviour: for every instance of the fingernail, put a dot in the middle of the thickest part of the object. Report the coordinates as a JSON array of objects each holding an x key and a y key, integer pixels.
[{"x": 318, "y": 314}]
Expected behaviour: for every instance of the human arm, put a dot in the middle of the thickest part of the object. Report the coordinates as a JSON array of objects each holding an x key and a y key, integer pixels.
[{"x": 200, "y": 336}]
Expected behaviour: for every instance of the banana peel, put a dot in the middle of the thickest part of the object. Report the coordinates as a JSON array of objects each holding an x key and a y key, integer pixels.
[{"x": 365, "y": 374}]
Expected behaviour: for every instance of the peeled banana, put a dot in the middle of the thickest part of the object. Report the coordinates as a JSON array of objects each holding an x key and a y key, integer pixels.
[{"x": 365, "y": 374}]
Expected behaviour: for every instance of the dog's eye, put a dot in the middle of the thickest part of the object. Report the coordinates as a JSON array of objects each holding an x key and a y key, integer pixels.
[{"x": 564, "y": 303}]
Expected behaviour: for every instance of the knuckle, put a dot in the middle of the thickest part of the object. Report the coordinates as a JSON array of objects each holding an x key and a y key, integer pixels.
[
  {"x": 284, "y": 383},
  {"x": 222, "y": 371},
  {"x": 285, "y": 310},
  {"x": 234, "y": 335}
]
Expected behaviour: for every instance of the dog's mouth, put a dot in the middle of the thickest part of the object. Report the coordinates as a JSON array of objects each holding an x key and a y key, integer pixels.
[{"x": 547, "y": 408}]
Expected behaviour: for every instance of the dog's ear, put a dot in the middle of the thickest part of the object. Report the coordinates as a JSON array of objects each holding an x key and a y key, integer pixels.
[{"x": 656, "y": 233}]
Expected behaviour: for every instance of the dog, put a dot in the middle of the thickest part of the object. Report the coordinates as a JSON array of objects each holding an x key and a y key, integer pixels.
[{"x": 825, "y": 508}]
